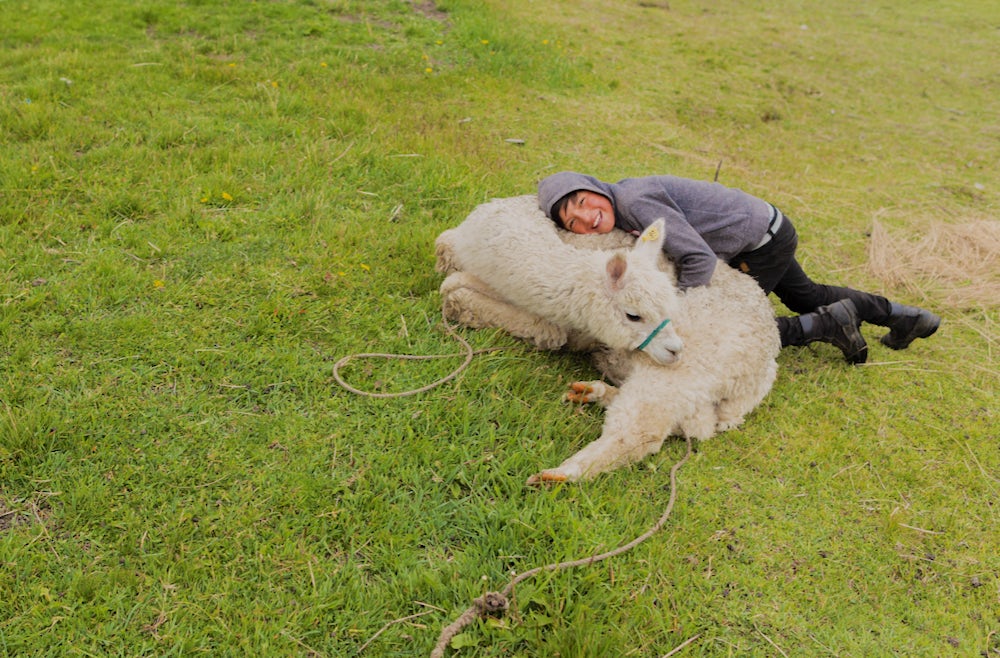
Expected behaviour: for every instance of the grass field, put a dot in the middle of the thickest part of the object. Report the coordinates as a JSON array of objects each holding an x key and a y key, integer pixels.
[{"x": 205, "y": 204}]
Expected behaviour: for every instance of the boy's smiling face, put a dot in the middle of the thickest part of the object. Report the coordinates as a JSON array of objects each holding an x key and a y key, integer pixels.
[{"x": 587, "y": 212}]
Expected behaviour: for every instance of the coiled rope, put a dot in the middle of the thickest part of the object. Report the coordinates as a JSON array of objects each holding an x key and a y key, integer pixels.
[{"x": 468, "y": 351}]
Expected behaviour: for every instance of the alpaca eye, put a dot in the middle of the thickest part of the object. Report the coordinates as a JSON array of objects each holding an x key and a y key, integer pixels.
[{"x": 633, "y": 317}]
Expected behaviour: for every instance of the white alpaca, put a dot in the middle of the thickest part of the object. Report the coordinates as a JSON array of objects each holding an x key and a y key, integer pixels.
[
  {"x": 728, "y": 330},
  {"x": 621, "y": 299}
]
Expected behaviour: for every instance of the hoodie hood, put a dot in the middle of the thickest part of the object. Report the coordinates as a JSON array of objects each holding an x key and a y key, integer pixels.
[{"x": 556, "y": 186}]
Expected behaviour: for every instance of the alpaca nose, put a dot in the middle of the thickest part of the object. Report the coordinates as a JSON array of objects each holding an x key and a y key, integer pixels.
[
  {"x": 666, "y": 352},
  {"x": 665, "y": 358}
]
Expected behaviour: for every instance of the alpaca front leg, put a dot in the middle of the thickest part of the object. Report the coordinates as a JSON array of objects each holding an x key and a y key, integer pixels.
[
  {"x": 633, "y": 429},
  {"x": 605, "y": 454},
  {"x": 580, "y": 393}
]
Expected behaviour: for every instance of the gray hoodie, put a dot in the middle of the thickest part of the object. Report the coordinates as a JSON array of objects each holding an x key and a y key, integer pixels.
[{"x": 704, "y": 221}]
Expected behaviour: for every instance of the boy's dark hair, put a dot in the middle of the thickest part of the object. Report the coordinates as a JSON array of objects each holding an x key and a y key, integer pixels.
[{"x": 557, "y": 208}]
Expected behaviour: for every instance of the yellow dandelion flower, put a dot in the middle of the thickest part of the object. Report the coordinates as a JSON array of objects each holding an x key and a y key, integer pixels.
[
  {"x": 484, "y": 41},
  {"x": 428, "y": 70},
  {"x": 439, "y": 42},
  {"x": 323, "y": 64},
  {"x": 545, "y": 42},
  {"x": 274, "y": 83},
  {"x": 226, "y": 196},
  {"x": 204, "y": 199},
  {"x": 158, "y": 284}
]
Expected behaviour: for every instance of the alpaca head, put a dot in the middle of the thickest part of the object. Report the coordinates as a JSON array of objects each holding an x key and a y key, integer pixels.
[{"x": 643, "y": 300}]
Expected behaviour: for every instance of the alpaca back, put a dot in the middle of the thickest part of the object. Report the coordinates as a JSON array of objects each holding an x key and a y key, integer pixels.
[
  {"x": 506, "y": 243},
  {"x": 616, "y": 299}
]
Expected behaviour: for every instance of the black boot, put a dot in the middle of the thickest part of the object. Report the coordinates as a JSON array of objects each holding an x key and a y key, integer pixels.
[
  {"x": 837, "y": 324},
  {"x": 906, "y": 324}
]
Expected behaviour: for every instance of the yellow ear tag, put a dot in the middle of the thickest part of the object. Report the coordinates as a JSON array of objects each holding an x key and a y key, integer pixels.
[{"x": 651, "y": 235}]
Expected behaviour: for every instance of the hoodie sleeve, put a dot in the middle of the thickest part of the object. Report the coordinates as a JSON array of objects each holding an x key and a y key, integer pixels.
[{"x": 694, "y": 259}]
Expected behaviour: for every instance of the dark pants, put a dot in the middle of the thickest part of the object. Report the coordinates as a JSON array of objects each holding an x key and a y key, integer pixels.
[{"x": 775, "y": 269}]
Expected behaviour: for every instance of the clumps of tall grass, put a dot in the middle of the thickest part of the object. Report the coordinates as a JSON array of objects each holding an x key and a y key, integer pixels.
[{"x": 956, "y": 264}]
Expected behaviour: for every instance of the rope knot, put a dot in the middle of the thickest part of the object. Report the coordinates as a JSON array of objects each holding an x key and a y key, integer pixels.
[{"x": 492, "y": 603}]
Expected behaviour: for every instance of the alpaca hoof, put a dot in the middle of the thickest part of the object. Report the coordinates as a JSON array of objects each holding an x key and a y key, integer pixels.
[
  {"x": 725, "y": 426},
  {"x": 584, "y": 392},
  {"x": 550, "y": 476}
]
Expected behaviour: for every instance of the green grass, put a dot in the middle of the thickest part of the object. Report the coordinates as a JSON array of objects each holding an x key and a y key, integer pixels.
[{"x": 205, "y": 204}]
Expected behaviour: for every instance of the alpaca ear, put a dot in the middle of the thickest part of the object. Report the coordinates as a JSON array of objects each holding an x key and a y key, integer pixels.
[
  {"x": 617, "y": 265},
  {"x": 651, "y": 240}
]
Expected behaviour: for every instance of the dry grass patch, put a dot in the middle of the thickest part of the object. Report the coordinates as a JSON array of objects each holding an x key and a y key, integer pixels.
[{"x": 957, "y": 265}]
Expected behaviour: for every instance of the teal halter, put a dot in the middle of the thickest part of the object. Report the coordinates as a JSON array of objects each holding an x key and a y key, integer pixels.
[{"x": 652, "y": 335}]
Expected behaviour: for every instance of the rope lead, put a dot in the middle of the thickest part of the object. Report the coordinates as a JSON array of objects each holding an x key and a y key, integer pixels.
[{"x": 493, "y": 603}]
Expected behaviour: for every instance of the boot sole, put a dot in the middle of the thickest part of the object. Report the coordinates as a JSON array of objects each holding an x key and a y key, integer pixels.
[{"x": 926, "y": 325}]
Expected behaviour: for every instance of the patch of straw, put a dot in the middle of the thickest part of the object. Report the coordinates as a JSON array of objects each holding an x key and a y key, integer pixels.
[{"x": 956, "y": 265}]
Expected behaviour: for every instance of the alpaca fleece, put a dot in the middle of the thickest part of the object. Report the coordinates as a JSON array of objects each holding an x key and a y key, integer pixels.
[{"x": 508, "y": 266}]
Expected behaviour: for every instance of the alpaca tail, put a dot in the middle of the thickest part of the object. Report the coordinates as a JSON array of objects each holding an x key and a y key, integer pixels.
[{"x": 444, "y": 251}]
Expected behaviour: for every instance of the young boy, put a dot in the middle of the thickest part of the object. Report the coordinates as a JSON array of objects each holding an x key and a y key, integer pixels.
[{"x": 708, "y": 221}]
